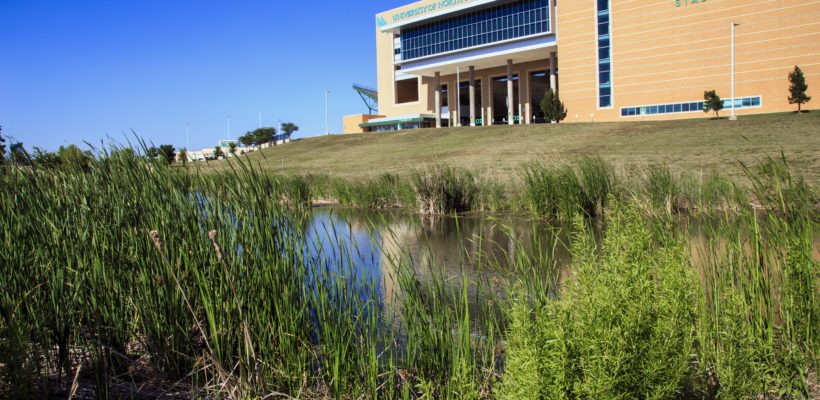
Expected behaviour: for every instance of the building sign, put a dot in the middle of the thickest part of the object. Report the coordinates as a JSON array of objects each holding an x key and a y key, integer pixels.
[
  {"x": 430, "y": 8},
  {"x": 686, "y": 3}
]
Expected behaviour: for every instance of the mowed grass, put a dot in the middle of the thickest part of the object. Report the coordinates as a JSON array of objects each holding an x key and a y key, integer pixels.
[{"x": 689, "y": 146}]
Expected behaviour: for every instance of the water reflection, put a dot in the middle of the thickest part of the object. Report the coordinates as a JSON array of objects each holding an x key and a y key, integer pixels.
[{"x": 479, "y": 250}]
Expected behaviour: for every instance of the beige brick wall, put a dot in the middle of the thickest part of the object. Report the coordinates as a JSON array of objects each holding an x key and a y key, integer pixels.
[{"x": 662, "y": 53}]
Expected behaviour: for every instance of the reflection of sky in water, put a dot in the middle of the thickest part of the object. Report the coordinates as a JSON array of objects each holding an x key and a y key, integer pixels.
[
  {"x": 344, "y": 250},
  {"x": 364, "y": 245}
]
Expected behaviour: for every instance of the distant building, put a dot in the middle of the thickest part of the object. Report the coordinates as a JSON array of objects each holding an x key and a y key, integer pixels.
[{"x": 484, "y": 62}]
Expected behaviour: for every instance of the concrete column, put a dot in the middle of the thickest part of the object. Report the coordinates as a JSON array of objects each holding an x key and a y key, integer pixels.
[
  {"x": 510, "y": 91},
  {"x": 437, "y": 110},
  {"x": 472, "y": 96},
  {"x": 523, "y": 81},
  {"x": 553, "y": 72}
]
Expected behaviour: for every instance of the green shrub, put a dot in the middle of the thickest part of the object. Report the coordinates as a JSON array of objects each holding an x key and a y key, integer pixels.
[{"x": 624, "y": 327}]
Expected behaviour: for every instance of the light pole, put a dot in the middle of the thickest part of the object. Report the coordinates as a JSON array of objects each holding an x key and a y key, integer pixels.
[
  {"x": 327, "y": 127},
  {"x": 733, "y": 117}
]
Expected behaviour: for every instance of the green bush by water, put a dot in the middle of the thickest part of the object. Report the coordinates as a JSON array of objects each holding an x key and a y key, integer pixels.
[
  {"x": 210, "y": 281},
  {"x": 623, "y": 328}
]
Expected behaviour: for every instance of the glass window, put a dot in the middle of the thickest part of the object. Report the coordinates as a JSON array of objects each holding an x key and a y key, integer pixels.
[
  {"x": 509, "y": 21},
  {"x": 604, "y": 55}
]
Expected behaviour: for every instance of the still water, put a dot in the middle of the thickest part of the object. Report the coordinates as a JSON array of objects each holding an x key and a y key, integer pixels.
[{"x": 476, "y": 252}]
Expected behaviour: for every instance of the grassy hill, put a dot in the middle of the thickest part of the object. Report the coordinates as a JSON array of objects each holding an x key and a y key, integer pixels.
[{"x": 687, "y": 146}]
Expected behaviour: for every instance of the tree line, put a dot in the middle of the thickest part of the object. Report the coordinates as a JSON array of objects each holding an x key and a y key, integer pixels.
[
  {"x": 262, "y": 136},
  {"x": 74, "y": 157}
]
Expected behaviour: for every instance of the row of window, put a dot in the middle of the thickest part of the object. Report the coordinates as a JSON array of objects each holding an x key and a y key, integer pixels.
[
  {"x": 509, "y": 21},
  {"x": 604, "y": 56},
  {"x": 692, "y": 106}
]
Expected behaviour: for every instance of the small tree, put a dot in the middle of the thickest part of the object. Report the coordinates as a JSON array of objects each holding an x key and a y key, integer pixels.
[
  {"x": 152, "y": 152},
  {"x": 218, "y": 153},
  {"x": 74, "y": 158},
  {"x": 183, "y": 155},
  {"x": 712, "y": 103},
  {"x": 263, "y": 135},
  {"x": 168, "y": 153},
  {"x": 232, "y": 148},
  {"x": 288, "y": 128},
  {"x": 247, "y": 139},
  {"x": 554, "y": 110},
  {"x": 798, "y": 88}
]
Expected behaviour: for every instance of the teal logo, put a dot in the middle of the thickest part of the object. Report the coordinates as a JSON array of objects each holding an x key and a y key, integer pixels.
[
  {"x": 685, "y": 3},
  {"x": 380, "y": 22}
]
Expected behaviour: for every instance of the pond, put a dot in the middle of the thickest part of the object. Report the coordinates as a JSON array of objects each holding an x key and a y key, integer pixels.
[{"x": 480, "y": 250}]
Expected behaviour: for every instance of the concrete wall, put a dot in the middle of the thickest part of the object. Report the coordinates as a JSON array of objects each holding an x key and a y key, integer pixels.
[{"x": 351, "y": 122}]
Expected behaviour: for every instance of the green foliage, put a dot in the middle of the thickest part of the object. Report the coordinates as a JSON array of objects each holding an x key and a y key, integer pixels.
[
  {"x": 168, "y": 153},
  {"x": 798, "y": 88},
  {"x": 2, "y": 147},
  {"x": 218, "y": 152},
  {"x": 552, "y": 191},
  {"x": 623, "y": 328},
  {"x": 553, "y": 108},
  {"x": 288, "y": 128},
  {"x": 522, "y": 378},
  {"x": 598, "y": 180},
  {"x": 258, "y": 137},
  {"x": 712, "y": 103},
  {"x": 152, "y": 152},
  {"x": 232, "y": 148},
  {"x": 183, "y": 155},
  {"x": 46, "y": 159},
  {"x": 662, "y": 188},
  {"x": 247, "y": 140},
  {"x": 442, "y": 189},
  {"x": 19, "y": 155},
  {"x": 73, "y": 158}
]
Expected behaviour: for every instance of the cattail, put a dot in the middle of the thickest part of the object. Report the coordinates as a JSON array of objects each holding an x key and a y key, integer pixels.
[
  {"x": 217, "y": 249},
  {"x": 155, "y": 238}
]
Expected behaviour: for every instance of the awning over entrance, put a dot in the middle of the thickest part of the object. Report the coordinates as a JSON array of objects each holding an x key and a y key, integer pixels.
[{"x": 495, "y": 55}]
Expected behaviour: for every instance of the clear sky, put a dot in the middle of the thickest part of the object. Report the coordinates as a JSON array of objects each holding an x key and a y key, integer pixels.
[{"x": 75, "y": 71}]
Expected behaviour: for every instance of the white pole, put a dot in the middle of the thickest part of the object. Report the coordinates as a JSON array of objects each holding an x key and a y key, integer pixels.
[
  {"x": 260, "y": 120},
  {"x": 229, "y": 125},
  {"x": 733, "y": 117},
  {"x": 187, "y": 137},
  {"x": 327, "y": 127},
  {"x": 458, "y": 97}
]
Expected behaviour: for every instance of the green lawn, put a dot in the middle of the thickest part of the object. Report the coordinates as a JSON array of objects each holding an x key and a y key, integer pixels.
[{"x": 687, "y": 146}]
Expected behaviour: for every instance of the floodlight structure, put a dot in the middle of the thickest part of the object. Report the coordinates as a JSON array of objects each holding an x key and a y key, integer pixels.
[{"x": 369, "y": 96}]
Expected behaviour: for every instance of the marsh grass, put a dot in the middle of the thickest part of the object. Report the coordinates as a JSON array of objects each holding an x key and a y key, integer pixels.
[
  {"x": 442, "y": 189},
  {"x": 212, "y": 283}
]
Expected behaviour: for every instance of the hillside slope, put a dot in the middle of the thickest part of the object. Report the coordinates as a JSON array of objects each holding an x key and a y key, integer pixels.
[{"x": 690, "y": 145}]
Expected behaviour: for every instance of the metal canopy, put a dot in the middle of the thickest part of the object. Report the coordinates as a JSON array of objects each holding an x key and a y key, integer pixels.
[{"x": 369, "y": 96}]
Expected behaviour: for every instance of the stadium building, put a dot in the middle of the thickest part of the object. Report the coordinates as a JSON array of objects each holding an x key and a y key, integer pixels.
[{"x": 485, "y": 62}]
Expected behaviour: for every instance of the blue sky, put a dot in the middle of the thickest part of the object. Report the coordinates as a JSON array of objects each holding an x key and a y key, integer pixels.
[{"x": 75, "y": 71}]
